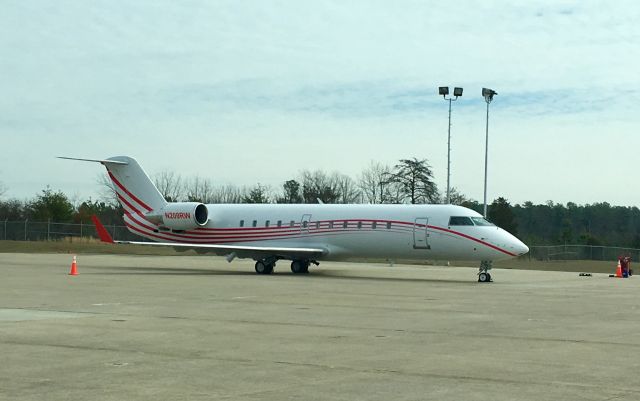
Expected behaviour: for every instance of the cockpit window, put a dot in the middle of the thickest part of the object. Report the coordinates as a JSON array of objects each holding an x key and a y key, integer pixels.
[
  {"x": 460, "y": 221},
  {"x": 480, "y": 221}
]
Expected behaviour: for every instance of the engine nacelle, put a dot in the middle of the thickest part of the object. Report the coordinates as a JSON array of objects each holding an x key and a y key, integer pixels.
[{"x": 184, "y": 215}]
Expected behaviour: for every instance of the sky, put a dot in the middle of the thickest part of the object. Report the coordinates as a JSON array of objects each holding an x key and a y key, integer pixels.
[{"x": 256, "y": 91}]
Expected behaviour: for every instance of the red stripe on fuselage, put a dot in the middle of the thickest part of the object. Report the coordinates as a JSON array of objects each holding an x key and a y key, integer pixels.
[
  {"x": 180, "y": 239},
  {"x": 473, "y": 239}
]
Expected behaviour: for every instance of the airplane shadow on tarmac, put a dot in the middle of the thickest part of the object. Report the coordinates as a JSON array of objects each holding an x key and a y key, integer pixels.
[{"x": 314, "y": 274}]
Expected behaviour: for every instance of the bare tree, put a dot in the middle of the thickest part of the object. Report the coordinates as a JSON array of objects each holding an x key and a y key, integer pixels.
[
  {"x": 456, "y": 197},
  {"x": 228, "y": 193},
  {"x": 317, "y": 185},
  {"x": 375, "y": 182},
  {"x": 107, "y": 192},
  {"x": 199, "y": 189},
  {"x": 170, "y": 185},
  {"x": 394, "y": 193},
  {"x": 348, "y": 191},
  {"x": 3, "y": 189}
]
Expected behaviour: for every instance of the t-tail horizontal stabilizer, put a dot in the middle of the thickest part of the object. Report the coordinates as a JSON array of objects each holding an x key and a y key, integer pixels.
[{"x": 105, "y": 162}]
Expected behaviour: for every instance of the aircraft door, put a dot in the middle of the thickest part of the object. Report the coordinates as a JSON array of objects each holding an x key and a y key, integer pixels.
[
  {"x": 304, "y": 223},
  {"x": 420, "y": 233}
]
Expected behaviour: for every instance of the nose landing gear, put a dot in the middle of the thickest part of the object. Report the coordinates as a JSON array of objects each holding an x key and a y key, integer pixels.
[{"x": 483, "y": 274}]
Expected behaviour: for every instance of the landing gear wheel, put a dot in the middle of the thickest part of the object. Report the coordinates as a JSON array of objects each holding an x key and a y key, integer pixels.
[
  {"x": 484, "y": 277},
  {"x": 264, "y": 268},
  {"x": 483, "y": 274},
  {"x": 299, "y": 266}
]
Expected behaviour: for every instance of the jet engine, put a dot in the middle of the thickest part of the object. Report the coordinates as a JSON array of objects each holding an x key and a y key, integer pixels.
[{"x": 184, "y": 215}]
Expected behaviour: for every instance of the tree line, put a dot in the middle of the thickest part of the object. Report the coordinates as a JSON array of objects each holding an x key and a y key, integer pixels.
[{"x": 408, "y": 181}]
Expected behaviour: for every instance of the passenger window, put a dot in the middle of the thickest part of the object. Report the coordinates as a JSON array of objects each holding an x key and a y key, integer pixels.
[
  {"x": 255, "y": 223},
  {"x": 344, "y": 224},
  {"x": 331, "y": 224},
  {"x": 359, "y": 225},
  {"x": 292, "y": 223},
  {"x": 317, "y": 224},
  {"x": 266, "y": 223},
  {"x": 241, "y": 223},
  {"x": 460, "y": 221},
  {"x": 279, "y": 223},
  {"x": 374, "y": 225},
  {"x": 388, "y": 225}
]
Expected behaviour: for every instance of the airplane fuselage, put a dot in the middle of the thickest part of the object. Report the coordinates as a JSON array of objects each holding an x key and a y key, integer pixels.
[{"x": 347, "y": 231}]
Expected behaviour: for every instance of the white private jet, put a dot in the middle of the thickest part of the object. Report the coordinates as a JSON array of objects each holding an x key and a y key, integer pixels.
[{"x": 305, "y": 233}]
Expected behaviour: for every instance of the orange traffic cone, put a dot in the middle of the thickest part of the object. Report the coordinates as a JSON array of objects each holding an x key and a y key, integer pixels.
[
  {"x": 74, "y": 267},
  {"x": 619, "y": 270}
]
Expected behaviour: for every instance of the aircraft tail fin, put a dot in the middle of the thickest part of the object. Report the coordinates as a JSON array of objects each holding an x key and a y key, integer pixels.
[{"x": 134, "y": 189}]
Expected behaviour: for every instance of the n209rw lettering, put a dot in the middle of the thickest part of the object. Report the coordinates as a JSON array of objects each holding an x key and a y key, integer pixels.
[{"x": 177, "y": 215}]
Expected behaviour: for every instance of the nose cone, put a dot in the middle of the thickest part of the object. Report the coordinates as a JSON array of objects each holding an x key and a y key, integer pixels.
[
  {"x": 514, "y": 245},
  {"x": 520, "y": 248}
]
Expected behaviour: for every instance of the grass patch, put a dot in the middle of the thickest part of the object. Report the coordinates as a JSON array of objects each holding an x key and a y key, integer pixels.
[{"x": 77, "y": 245}]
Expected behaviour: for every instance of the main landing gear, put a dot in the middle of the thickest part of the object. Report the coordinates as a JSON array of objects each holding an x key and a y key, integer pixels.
[
  {"x": 265, "y": 266},
  {"x": 483, "y": 274},
  {"x": 300, "y": 266}
]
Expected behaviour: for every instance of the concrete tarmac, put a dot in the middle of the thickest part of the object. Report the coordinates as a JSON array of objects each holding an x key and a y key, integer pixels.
[{"x": 198, "y": 328}]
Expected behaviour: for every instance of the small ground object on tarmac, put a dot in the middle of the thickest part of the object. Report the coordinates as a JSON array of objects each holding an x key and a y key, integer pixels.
[
  {"x": 625, "y": 262},
  {"x": 623, "y": 269},
  {"x": 585, "y": 274},
  {"x": 74, "y": 267}
]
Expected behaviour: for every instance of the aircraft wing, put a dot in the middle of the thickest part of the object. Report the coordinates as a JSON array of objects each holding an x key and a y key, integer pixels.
[{"x": 239, "y": 250}]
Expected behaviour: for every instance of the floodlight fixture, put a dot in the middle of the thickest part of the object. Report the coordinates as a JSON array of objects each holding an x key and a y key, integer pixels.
[
  {"x": 488, "y": 94},
  {"x": 488, "y": 97},
  {"x": 457, "y": 92}
]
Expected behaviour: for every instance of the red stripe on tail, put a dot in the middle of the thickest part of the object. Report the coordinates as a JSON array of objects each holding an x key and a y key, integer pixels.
[{"x": 132, "y": 196}]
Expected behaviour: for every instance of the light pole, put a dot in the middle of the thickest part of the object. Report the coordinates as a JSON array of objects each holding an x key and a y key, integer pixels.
[
  {"x": 488, "y": 97},
  {"x": 457, "y": 92}
]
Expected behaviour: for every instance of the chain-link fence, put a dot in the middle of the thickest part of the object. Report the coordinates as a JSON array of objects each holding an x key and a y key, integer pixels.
[
  {"x": 580, "y": 252},
  {"x": 49, "y": 231}
]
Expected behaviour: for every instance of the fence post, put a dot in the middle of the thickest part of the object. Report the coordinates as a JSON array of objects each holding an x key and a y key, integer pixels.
[
  {"x": 5, "y": 229},
  {"x": 80, "y": 229},
  {"x": 25, "y": 229},
  {"x": 48, "y": 229}
]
